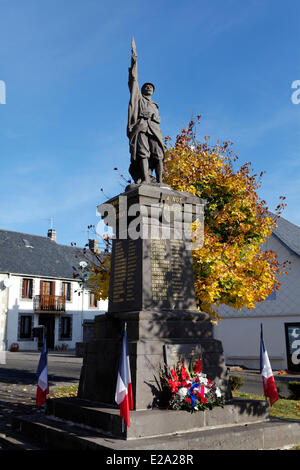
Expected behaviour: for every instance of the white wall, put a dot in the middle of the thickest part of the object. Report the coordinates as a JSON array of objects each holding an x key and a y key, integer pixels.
[
  {"x": 241, "y": 340},
  {"x": 3, "y": 311}
]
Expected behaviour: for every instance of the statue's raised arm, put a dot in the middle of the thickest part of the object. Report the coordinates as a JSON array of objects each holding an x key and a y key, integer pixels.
[
  {"x": 133, "y": 68},
  {"x": 133, "y": 88},
  {"x": 143, "y": 129}
]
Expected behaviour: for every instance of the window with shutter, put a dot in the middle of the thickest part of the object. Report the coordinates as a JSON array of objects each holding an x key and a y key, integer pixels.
[
  {"x": 27, "y": 288},
  {"x": 93, "y": 300},
  {"x": 66, "y": 290},
  {"x": 25, "y": 331},
  {"x": 65, "y": 327}
]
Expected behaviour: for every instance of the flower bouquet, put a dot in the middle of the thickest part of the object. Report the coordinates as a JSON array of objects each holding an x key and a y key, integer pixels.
[{"x": 191, "y": 391}]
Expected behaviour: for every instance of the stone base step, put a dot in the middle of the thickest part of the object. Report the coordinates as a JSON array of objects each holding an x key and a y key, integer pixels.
[
  {"x": 54, "y": 434},
  {"x": 17, "y": 442},
  {"x": 154, "y": 422}
]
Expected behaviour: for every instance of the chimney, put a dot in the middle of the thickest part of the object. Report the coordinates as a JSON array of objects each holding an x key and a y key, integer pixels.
[
  {"x": 52, "y": 234},
  {"x": 93, "y": 246}
]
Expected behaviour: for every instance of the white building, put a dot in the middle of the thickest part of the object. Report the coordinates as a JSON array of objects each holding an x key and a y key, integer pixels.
[
  {"x": 37, "y": 287},
  {"x": 239, "y": 331}
]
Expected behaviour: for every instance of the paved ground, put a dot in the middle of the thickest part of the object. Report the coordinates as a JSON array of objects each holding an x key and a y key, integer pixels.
[{"x": 18, "y": 381}]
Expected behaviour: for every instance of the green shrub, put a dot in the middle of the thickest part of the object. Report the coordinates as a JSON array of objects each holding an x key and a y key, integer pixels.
[
  {"x": 294, "y": 388},
  {"x": 279, "y": 388},
  {"x": 235, "y": 382}
]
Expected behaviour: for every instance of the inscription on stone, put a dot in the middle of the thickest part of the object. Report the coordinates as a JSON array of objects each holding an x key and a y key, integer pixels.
[
  {"x": 160, "y": 265},
  {"x": 120, "y": 272},
  {"x": 187, "y": 353},
  {"x": 167, "y": 268},
  {"x": 132, "y": 262},
  {"x": 125, "y": 272},
  {"x": 177, "y": 268}
]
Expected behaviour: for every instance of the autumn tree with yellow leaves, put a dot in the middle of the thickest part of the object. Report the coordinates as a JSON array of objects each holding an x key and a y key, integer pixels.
[{"x": 231, "y": 268}]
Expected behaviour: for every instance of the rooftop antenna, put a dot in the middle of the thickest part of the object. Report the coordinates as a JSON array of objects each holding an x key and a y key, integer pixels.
[
  {"x": 51, "y": 231},
  {"x": 51, "y": 222},
  {"x": 87, "y": 232}
]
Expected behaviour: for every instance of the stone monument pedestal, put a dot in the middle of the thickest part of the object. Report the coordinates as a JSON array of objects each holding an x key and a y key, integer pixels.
[
  {"x": 153, "y": 341},
  {"x": 152, "y": 291}
]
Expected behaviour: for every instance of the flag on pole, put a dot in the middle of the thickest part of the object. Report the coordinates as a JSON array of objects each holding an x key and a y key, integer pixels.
[
  {"x": 42, "y": 374},
  {"x": 269, "y": 385},
  {"x": 123, "y": 394}
]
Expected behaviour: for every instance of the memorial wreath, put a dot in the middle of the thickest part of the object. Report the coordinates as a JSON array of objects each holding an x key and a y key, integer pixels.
[{"x": 191, "y": 390}]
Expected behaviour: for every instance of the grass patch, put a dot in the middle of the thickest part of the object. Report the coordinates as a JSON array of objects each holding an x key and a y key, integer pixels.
[
  {"x": 282, "y": 408},
  {"x": 67, "y": 391}
]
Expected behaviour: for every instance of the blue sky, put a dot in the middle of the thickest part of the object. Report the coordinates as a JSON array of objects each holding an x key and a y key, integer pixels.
[{"x": 65, "y": 66}]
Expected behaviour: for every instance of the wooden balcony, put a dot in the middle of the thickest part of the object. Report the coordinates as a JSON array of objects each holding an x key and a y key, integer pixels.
[{"x": 49, "y": 303}]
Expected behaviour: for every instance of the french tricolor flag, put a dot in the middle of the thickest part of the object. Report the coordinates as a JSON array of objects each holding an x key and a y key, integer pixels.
[
  {"x": 269, "y": 385},
  {"x": 42, "y": 374},
  {"x": 123, "y": 394}
]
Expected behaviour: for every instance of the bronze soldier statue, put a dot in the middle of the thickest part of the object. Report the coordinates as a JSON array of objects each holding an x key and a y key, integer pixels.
[{"x": 146, "y": 143}]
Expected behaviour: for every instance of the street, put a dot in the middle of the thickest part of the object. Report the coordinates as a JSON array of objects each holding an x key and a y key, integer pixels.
[
  {"x": 18, "y": 381},
  {"x": 22, "y": 366}
]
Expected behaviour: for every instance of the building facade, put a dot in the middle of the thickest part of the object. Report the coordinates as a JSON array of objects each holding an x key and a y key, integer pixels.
[
  {"x": 279, "y": 314},
  {"x": 37, "y": 287}
]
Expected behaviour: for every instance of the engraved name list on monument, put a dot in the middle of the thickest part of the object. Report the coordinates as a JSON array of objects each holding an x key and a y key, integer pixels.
[
  {"x": 167, "y": 269},
  {"x": 125, "y": 266}
]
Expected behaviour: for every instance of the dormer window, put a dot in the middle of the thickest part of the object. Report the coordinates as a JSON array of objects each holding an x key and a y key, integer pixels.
[{"x": 26, "y": 243}]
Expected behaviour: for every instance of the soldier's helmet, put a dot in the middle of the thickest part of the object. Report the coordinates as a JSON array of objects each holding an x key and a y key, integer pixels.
[{"x": 148, "y": 83}]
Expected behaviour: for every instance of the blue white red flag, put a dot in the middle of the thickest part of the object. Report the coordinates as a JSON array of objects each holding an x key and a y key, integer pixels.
[
  {"x": 42, "y": 374},
  {"x": 269, "y": 385},
  {"x": 123, "y": 394}
]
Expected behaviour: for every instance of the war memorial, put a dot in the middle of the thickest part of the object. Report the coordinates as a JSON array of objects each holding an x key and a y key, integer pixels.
[{"x": 152, "y": 295}]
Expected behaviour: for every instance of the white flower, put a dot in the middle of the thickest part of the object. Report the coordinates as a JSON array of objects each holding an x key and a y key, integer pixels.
[
  {"x": 203, "y": 380},
  {"x": 182, "y": 392},
  {"x": 218, "y": 392}
]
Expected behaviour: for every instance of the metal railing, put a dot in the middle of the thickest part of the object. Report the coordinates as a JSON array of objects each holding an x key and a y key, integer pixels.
[{"x": 49, "y": 303}]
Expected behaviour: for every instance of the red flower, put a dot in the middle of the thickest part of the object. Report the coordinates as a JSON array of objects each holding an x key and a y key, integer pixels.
[
  {"x": 174, "y": 375},
  {"x": 188, "y": 400},
  {"x": 204, "y": 400},
  {"x": 184, "y": 373},
  {"x": 174, "y": 384},
  {"x": 198, "y": 366}
]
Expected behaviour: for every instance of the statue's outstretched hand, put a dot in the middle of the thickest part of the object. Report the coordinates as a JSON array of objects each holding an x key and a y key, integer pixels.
[{"x": 133, "y": 50}]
